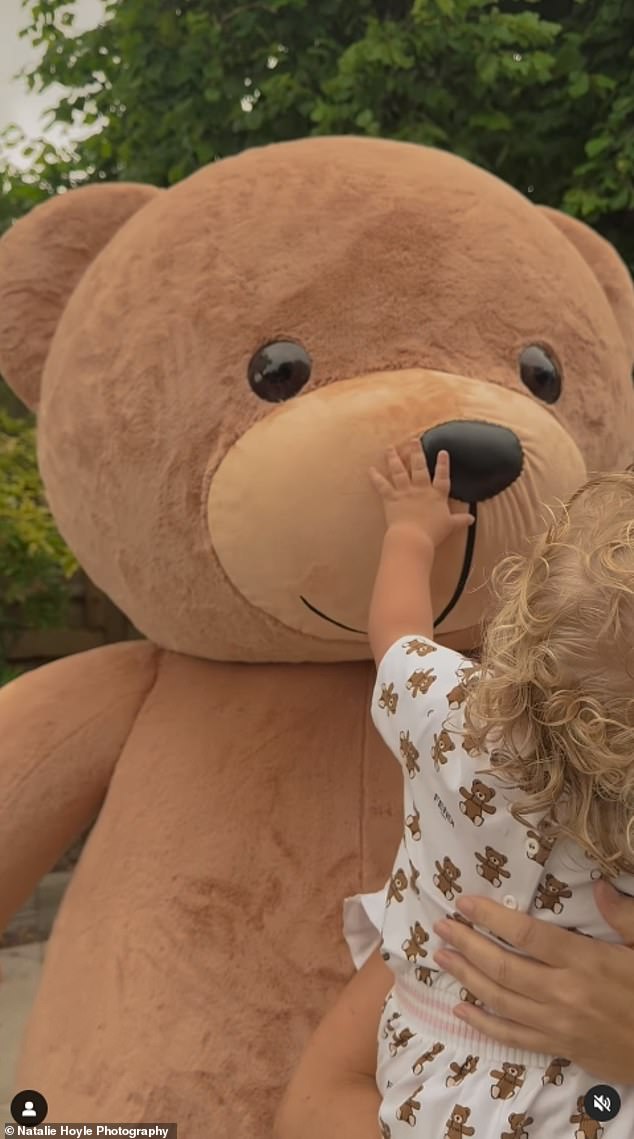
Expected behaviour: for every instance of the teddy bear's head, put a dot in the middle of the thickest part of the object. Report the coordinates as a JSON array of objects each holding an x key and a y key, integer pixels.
[{"x": 216, "y": 366}]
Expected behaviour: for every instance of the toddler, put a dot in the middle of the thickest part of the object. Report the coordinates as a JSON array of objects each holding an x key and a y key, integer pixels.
[{"x": 519, "y": 784}]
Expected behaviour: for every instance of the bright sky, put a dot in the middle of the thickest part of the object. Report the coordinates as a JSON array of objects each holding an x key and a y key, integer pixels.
[{"x": 17, "y": 103}]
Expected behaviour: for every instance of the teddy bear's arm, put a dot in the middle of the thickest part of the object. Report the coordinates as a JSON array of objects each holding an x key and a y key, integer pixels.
[{"x": 62, "y": 729}]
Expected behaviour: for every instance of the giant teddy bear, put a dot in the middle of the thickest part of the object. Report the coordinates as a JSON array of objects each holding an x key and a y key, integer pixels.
[{"x": 214, "y": 368}]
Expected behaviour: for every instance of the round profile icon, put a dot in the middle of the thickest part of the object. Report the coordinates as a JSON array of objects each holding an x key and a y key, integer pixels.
[
  {"x": 602, "y": 1103},
  {"x": 29, "y": 1108}
]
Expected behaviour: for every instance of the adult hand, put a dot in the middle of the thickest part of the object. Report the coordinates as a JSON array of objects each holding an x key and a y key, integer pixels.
[{"x": 570, "y": 996}]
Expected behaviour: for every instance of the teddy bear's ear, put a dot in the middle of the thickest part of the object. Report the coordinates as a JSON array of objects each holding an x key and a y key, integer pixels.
[
  {"x": 42, "y": 258},
  {"x": 610, "y": 271}
]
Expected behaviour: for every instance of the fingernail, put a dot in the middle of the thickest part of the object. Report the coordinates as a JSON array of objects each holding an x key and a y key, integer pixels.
[
  {"x": 466, "y": 906},
  {"x": 443, "y": 958},
  {"x": 443, "y": 928}
]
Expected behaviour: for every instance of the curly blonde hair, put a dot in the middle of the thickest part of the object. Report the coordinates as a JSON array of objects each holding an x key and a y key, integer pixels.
[{"x": 552, "y": 697}]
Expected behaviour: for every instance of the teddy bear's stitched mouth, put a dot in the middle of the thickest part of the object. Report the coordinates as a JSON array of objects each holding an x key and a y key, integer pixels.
[{"x": 455, "y": 598}]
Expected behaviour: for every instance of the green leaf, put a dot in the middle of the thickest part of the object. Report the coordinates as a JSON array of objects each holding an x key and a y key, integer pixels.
[
  {"x": 596, "y": 146},
  {"x": 488, "y": 68},
  {"x": 579, "y": 85},
  {"x": 604, "y": 82},
  {"x": 176, "y": 173},
  {"x": 491, "y": 121},
  {"x": 568, "y": 57},
  {"x": 366, "y": 121}
]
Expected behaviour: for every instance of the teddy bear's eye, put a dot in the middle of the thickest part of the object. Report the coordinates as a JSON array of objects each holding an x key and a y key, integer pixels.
[
  {"x": 279, "y": 371},
  {"x": 540, "y": 373}
]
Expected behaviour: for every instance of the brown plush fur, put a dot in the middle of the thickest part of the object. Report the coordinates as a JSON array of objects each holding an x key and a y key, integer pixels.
[{"x": 240, "y": 799}]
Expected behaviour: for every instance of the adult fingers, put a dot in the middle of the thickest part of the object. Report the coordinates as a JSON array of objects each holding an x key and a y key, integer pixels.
[
  {"x": 507, "y": 1032},
  {"x": 504, "y": 1003},
  {"x": 617, "y": 909},
  {"x": 519, "y": 974},
  {"x": 537, "y": 939}
]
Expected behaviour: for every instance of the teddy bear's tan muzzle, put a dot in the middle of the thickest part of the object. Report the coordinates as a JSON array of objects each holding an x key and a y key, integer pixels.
[{"x": 297, "y": 527}]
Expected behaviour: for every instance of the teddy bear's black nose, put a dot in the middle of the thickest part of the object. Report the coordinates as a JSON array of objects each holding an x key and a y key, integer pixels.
[{"x": 485, "y": 458}]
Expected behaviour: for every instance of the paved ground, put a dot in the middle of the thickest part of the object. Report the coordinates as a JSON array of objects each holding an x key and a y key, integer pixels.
[
  {"x": 21, "y": 955},
  {"x": 20, "y": 970}
]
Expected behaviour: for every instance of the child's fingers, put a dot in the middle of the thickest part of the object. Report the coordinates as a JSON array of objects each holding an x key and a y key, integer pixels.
[
  {"x": 382, "y": 485},
  {"x": 462, "y": 521},
  {"x": 418, "y": 464},
  {"x": 442, "y": 476},
  {"x": 397, "y": 470}
]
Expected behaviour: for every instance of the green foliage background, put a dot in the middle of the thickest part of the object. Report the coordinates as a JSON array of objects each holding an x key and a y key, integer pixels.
[
  {"x": 541, "y": 92},
  {"x": 34, "y": 562}
]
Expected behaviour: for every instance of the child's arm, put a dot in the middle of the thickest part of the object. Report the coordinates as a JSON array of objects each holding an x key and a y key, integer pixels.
[
  {"x": 333, "y": 1094},
  {"x": 418, "y": 520},
  {"x": 401, "y": 600}
]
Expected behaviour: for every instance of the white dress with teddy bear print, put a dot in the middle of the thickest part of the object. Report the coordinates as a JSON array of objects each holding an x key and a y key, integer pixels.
[{"x": 436, "y": 1075}]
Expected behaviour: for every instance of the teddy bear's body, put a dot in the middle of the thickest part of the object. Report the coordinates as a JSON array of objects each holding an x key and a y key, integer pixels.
[
  {"x": 200, "y": 935},
  {"x": 214, "y": 368}
]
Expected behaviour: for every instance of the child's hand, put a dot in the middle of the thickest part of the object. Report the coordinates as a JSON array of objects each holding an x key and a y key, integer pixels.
[{"x": 412, "y": 499}]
